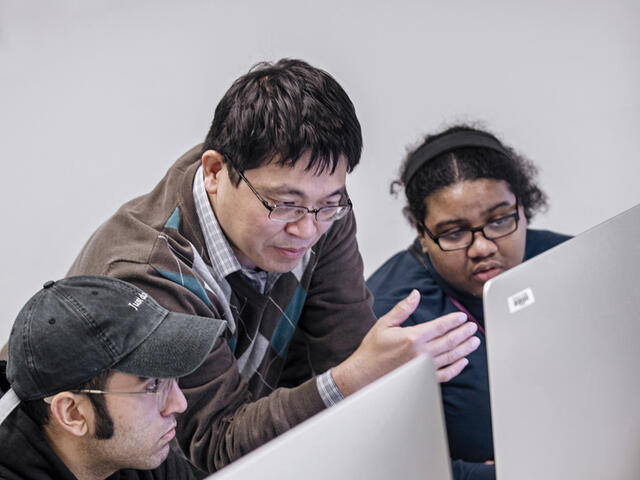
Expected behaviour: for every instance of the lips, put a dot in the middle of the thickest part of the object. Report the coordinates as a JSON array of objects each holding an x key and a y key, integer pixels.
[
  {"x": 167, "y": 437},
  {"x": 487, "y": 271},
  {"x": 292, "y": 252}
]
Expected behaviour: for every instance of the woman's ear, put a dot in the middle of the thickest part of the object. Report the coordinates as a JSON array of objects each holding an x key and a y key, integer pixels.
[{"x": 425, "y": 242}]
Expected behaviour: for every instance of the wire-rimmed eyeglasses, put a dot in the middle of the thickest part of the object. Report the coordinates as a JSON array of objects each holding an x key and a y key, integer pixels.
[
  {"x": 464, "y": 237},
  {"x": 293, "y": 213},
  {"x": 160, "y": 387}
]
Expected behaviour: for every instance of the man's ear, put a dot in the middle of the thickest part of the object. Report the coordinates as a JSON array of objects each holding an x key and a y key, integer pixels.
[
  {"x": 212, "y": 166},
  {"x": 72, "y": 413}
]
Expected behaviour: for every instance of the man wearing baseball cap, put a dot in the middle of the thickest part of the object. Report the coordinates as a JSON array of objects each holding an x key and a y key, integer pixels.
[{"x": 90, "y": 389}]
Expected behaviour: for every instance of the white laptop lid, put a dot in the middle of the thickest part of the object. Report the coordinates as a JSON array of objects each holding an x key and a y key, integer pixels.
[
  {"x": 391, "y": 429},
  {"x": 563, "y": 346}
]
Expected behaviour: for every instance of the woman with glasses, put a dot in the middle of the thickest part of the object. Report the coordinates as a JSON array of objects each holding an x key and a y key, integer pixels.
[{"x": 470, "y": 198}]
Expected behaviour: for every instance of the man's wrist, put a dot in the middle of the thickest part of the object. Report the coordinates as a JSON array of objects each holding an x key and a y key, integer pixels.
[{"x": 328, "y": 390}]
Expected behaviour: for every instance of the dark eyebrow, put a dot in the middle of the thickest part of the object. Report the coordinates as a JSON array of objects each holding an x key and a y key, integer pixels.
[
  {"x": 452, "y": 222},
  {"x": 463, "y": 221},
  {"x": 145, "y": 380},
  {"x": 500, "y": 205},
  {"x": 288, "y": 190}
]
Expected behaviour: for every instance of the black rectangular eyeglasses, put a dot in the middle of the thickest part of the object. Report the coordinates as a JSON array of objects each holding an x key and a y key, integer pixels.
[{"x": 464, "y": 237}]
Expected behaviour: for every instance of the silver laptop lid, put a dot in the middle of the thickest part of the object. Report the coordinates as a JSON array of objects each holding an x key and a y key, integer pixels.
[
  {"x": 563, "y": 346},
  {"x": 394, "y": 428}
]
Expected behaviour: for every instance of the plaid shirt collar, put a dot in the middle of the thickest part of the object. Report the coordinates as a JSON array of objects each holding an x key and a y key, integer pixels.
[{"x": 223, "y": 260}]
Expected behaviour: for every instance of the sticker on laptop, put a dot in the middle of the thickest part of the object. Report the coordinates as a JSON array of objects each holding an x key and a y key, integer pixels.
[{"x": 520, "y": 300}]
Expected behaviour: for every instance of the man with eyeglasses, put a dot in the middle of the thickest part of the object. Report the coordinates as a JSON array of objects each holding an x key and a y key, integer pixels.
[
  {"x": 255, "y": 227},
  {"x": 90, "y": 390}
]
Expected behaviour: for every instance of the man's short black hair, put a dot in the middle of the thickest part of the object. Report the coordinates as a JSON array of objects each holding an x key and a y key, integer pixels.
[
  {"x": 39, "y": 410},
  {"x": 279, "y": 111},
  {"x": 469, "y": 163}
]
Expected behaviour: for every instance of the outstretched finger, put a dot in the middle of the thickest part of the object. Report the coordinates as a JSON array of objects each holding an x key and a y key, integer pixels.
[
  {"x": 447, "y": 373},
  {"x": 401, "y": 311},
  {"x": 459, "y": 351},
  {"x": 438, "y": 327},
  {"x": 450, "y": 340}
]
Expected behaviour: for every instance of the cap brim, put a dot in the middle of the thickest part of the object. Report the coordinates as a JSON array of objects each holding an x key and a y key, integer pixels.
[{"x": 176, "y": 347}]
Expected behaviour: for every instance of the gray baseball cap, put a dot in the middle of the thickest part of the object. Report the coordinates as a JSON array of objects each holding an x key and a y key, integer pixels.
[{"x": 79, "y": 326}]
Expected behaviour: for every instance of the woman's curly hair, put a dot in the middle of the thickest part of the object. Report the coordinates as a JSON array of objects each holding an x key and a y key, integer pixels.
[{"x": 468, "y": 164}]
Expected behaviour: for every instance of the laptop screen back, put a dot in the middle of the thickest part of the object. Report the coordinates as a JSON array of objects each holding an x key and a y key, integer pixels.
[{"x": 394, "y": 428}]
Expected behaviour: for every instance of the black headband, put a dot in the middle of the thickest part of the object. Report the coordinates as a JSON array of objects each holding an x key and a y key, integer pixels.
[{"x": 447, "y": 143}]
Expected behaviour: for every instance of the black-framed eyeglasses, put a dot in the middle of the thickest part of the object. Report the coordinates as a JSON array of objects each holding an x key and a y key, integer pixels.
[
  {"x": 293, "y": 213},
  {"x": 464, "y": 237}
]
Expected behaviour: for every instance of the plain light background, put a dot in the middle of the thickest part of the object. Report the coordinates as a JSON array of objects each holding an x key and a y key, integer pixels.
[{"x": 98, "y": 98}]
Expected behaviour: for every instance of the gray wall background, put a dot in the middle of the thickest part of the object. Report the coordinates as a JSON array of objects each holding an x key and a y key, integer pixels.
[{"x": 98, "y": 98}]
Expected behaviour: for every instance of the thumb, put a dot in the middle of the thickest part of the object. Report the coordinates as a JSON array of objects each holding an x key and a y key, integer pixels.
[{"x": 401, "y": 311}]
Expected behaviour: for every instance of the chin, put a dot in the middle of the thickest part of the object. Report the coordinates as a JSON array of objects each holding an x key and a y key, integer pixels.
[
  {"x": 155, "y": 461},
  {"x": 278, "y": 265},
  {"x": 281, "y": 267},
  {"x": 476, "y": 290}
]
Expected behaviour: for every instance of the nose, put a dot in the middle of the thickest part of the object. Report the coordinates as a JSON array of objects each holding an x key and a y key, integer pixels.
[
  {"x": 481, "y": 247},
  {"x": 305, "y": 228},
  {"x": 176, "y": 401}
]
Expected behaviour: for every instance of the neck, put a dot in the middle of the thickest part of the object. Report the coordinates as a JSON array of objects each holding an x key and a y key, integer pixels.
[{"x": 76, "y": 456}]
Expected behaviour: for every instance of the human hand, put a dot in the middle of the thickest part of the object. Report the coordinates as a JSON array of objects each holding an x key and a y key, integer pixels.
[{"x": 448, "y": 339}]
